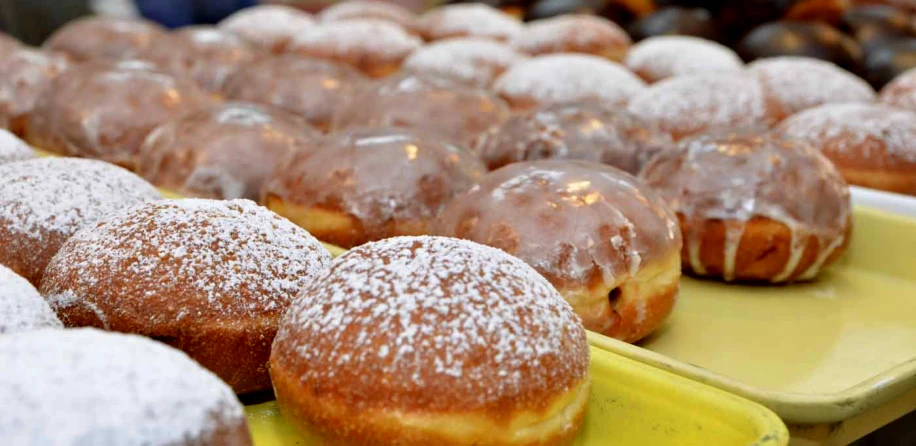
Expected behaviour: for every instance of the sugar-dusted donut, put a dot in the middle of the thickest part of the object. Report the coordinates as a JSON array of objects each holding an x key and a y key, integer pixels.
[
  {"x": 25, "y": 75},
  {"x": 13, "y": 149},
  {"x": 21, "y": 307},
  {"x": 105, "y": 38},
  {"x": 661, "y": 57},
  {"x": 270, "y": 27},
  {"x": 469, "y": 20},
  {"x": 573, "y": 33},
  {"x": 901, "y": 92},
  {"x": 472, "y": 61},
  {"x": 371, "y": 9}
]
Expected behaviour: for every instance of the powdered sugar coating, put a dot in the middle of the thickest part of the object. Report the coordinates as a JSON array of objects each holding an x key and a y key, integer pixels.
[
  {"x": 91, "y": 387},
  {"x": 21, "y": 307},
  {"x": 469, "y": 20},
  {"x": 371, "y": 9},
  {"x": 271, "y": 27},
  {"x": 375, "y": 47},
  {"x": 105, "y": 38},
  {"x": 434, "y": 324},
  {"x": 661, "y": 57},
  {"x": 13, "y": 149},
  {"x": 472, "y": 61},
  {"x": 901, "y": 92},
  {"x": 573, "y": 33},
  {"x": 25, "y": 74}
]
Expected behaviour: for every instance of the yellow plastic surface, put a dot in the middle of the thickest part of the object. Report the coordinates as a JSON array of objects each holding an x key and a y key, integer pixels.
[{"x": 630, "y": 404}]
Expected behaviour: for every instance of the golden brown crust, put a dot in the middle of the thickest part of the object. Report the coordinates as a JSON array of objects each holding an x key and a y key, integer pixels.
[
  {"x": 40, "y": 250},
  {"x": 573, "y": 33}
]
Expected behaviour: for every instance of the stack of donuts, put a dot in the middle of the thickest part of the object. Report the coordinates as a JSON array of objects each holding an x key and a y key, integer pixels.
[{"x": 501, "y": 188}]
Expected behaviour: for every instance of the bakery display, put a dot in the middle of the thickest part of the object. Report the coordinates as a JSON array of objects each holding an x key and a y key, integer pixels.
[
  {"x": 270, "y": 27},
  {"x": 43, "y": 202},
  {"x": 754, "y": 207},
  {"x": 371, "y": 9},
  {"x": 658, "y": 58},
  {"x": 901, "y": 92},
  {"x": 469, "y": 20},
  {"x": 573, "y": 33},
  {"x": 432, "y": 340},
  {"x": 88, "y": 386},
  {"x": 25, "y": 75},
  {"x": 872, "y": 145},
  {"x": 472, "y": 61},
  {"x": 13, "y": 149},
  {"x": 21, "y": 307},
  {"x": 104, "y": 38},
  {"x": 605, "y": 241},
  {"x": 224, "y": 152},
  {"x": 211, "y": 278}
]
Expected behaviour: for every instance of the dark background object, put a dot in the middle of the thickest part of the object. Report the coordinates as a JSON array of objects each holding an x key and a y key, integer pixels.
[
  {"x": 32, "y": 21},
  {"x": 874, "y": 25},
  {"x": 543, "y": 9},
  {"x": 675, "y": 20},
  {"x": 888, "y": 60},
  {"x": 816, "y": 40}
]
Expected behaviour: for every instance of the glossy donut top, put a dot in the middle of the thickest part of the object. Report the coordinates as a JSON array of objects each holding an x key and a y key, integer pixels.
[
  {"x": 25, "y": 75},
  {"x": 472, "y": 61},
  {"x": 365, "y": 44},
  {"x": 105, "y": 38},
  {"x": 270, "y": 27},
  {"x": 469, "y": 20},
  {"x": 368, "y": 9},
  {"x": 434, "y": 324},
  {"x": 572, "y": 33},
  {"x": 901, "y": 92},
  {"x": 13, "y": 149},
  {"x": 23, "y": 309},
  {"x": 661, "y": 57}
]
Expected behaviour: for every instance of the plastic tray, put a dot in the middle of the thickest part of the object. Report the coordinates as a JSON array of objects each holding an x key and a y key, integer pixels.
[
  {"x": 631, "y": 404},
  {"x": 885, "y": 201},
  {"x": 836, "y": 358}
]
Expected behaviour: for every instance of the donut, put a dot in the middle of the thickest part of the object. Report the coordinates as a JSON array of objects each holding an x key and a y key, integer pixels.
[
  {"x": 872, "y": 145},
  {"x": 226, "y": 152},
  {"x": 573, "y": 33},
  {"x": 660, "y": 57},
  {"x": 8, "y": 43},
  {"x": 23, "y": 309},
  {"x": 471, "y": 61},
  {"x": 583, "y": 131},
  {"x": 43, "y": 202},
  {"x": 270, "y": 27},
  {"x": 369, "y": 184},
  {"x": 13, "y": 149},
  {"x": 208, "y": 277},
  {"x": 469, "y": 20},
  {"x": 690, "y": 105},
  {"x": 371, "y": 9},
  {"x": 559, "y": 78},
  {"x": 753, "y": 207},
  {"x": 105, "y": 38},
  {"x": 25, "y": 75},
  {"x": 375, "y": 47},
  {"x": 436, "y": 106},
  {"x": 432, "y": 340},
  {"x": 901, "y": 92},
  {"x": 793, "y": 84},
  {"x": 105, "y": 111},
  {"x": 91, "y": 387},
  {"x": 606, "y": 242}
]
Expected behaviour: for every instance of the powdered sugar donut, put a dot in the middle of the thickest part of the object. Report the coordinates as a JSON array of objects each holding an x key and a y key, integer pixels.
[
  {"x": 21, "y": 307},
  {"x": 25, "y": 75},
  {"x": 901, "y": 92},
  {"x": 472, "y": 61},
  {"x": 105, "y": 38},
  {"x": 209, "y": 277},
  {"x": 270, "y": 27},
  {"x": 371, "y": 9},
  {"x": 91, "y": 387},
  {"x": 563, "y": 78},
  {"x": 469, "y": 20},
  {"x": 431, "y": 340},
  {"x": 45, "y": 201},
  {"x": 573, "y": 33},
  {"x": 661, "y": 57},
  {"x": 13, "y": 149},
  {"x": 8, "y": 43}
]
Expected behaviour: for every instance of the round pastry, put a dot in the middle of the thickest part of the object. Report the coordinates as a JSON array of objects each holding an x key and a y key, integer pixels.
[
  {"x": 690, "y": 105},
  {"x": 901, "y": 92},
  {"x": 225, "y": 152},
  {"x": 661, "y": 57},
  {"x": 13, "y": 149},
  {"x": 25, "y": 75},
  {"x": 793, "y": 84},
  {"x": 559, "y": 78},
  {"x": 205, "y": 54},
  {"x": 469, "y": 20},
  {"x": 872, "y": 145},
  {"x": 371, "y": 9},
  {"x": 584, "y": 131},
  {"x": 436, "y": 106},
  {"x": 471, "y": 61},
  {"x": 375, "y": 47},
  {"x": 209, "y": 277},
  {"x": 105, "y": 38},
  {"x": 754, "y": 207},
  {"x": 21, "y": 307},
  {"x": 45, "y": 201},
  {"x": 573, "y": 33},
  {"x": 432, "y": 340},
  {"x": 90, "y": 387},
  {"x": 270, "y": 27},
  {"x": 606, "y": 242},
  {"x": 8, "y": 43},
  {"x": 105, "y": 112},
  {"x": 364, "y": 185}
]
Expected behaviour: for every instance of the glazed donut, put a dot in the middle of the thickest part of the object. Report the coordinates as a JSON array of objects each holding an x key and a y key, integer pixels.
[
  {"x": 91, "y": 387},
  {"x": 211, "y": 278},
  {"x": 45, "y": 201},
  {"x": 105, "y": 38},
  {"x": 754, "y": 207},
  {"x": 13, "y": 149},
  {"x": 901, "y": 92},
  {"x": 225, "y": 152},
  {"x": 584, "y": 131},
  {"x": 106, "y": 111},
  {"x": 369, "y": 9},
  {"x": 793, "y": 84},
  {"x": 661, "y": 57},
  {"x": 690, "y": 105},
  {"x": 25, "y": 75},
  {"x": 469, "y": 20},
  {"x": 607, "y": 243},
  {"x": 365, "y": 185},
  {"x": 573, "y": 33},
  {"x": 470, "y": 61},
  {"x": 872, "y": 145},
  {"x": 23, "y": 309},
  {"x": 435, "y": 106},
  {"x": 270, "y": 27},
  {"x": 563, "y": 78},
  {"x": 432, "y": 340},
  {"x": 312, "y": 88},
  {"x": 375, "y": 47}
]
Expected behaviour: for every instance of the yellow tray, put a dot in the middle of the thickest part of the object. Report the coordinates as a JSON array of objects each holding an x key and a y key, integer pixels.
[
  {"x": 631, "y": 404},
  {"x": 836, "y": 358}
]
